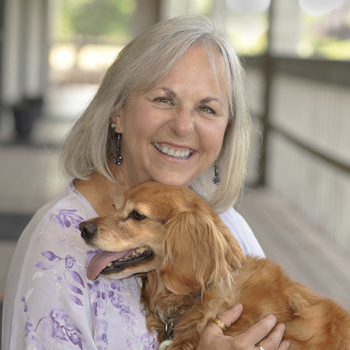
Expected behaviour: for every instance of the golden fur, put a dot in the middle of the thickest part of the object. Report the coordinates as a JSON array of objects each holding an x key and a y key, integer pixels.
[{"x": 198, "y": 270}]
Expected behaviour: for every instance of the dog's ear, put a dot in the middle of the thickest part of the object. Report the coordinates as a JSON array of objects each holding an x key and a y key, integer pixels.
[{"x": 199, "y": 250}]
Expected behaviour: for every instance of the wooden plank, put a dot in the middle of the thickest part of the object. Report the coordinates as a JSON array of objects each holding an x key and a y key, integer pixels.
[{"x": 289, "y": 239}]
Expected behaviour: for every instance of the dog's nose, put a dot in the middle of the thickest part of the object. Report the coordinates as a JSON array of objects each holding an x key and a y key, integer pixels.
[{"x": 87, "y": 229}]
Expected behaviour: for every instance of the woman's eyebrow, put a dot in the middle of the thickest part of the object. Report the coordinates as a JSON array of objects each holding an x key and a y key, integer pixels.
[
  {"x": 210, "y": 99},
  {"x": 171, "y": 93}
]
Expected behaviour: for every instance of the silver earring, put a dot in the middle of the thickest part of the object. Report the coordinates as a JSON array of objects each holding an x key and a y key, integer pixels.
[
  {"x": 118, "y": 159},
  {"x": 216, "y": 178},
  {"x": 113, "y": 125}
]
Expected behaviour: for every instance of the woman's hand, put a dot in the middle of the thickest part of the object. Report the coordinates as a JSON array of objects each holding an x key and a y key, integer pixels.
[{"x": 212, "y": 337}]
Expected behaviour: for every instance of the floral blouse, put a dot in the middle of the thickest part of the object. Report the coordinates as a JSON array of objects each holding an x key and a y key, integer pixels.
[{"x": 50, "y": 303}]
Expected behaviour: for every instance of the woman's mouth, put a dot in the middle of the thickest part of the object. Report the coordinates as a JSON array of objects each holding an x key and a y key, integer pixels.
[{"x": 178, "y": 154}]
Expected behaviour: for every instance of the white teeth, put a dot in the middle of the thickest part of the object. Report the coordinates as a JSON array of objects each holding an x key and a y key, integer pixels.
[{"x": 172, "y": 153}]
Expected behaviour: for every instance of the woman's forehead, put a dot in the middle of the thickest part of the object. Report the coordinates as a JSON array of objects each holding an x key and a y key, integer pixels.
[{"x": 217, "y": 67}]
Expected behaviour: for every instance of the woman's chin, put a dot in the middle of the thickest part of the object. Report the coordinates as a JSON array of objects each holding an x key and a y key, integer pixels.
[{"x": 174, "y": 180}]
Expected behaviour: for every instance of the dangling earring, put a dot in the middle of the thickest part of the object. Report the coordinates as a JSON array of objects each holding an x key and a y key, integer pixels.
[
  {"x": 118, "y": 158},
  {"x": 216, "y": 178}
]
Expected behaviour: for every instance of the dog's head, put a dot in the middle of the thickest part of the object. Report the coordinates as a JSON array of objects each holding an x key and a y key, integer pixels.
[{"x": 164, "y": 228}]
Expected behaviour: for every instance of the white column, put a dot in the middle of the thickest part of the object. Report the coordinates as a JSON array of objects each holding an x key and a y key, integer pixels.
[
  {"x": 285, "y": 33},
  {"x": 11, "y": 91}
]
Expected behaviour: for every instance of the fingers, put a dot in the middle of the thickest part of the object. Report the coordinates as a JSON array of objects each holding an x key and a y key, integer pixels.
[
  {"x": 285, "y": 345},
  {"x": 261, "y": 329},
  {"x": 228, "y": 317},
  {"x": 274, "y": 340},
  {"x": 213, "y": 337}
]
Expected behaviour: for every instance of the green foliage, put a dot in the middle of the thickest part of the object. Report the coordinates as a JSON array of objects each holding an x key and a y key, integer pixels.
[
  {"x": 333, "y": 49},
  {"x": 326, "y": 36},
  {"x": 93, "y": 17}
]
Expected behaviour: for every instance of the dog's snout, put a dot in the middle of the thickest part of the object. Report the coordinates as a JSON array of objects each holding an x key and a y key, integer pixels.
[{"x": 87, "y": 229}]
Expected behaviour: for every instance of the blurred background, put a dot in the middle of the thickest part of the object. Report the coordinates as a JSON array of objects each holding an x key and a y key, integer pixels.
[{"x": 53, "y": 55}]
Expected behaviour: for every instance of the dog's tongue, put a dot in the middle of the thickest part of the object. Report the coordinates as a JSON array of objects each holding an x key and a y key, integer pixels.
[{"x": 100, "y": 261}]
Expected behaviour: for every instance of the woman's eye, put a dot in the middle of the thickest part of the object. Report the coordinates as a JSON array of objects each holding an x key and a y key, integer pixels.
[
  {"x": 205, "y": 109},
  {"x": 137, "y": 216},
  {"x": 164, "y": 100}
]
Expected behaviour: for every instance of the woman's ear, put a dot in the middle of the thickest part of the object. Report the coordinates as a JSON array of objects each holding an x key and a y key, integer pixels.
[
  {"x": 228, "y": 126},
  {"x": 199, "y": 251},
  {"x": 117, "y": 121}
]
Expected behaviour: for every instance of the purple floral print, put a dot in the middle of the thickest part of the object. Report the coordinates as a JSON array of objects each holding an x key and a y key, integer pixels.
[
  {"x": 59, "y": 307},
  {"x": 70, "y": 276},
  {"x": 58, "y": 326},
  {"x": 68, "y": 218}
]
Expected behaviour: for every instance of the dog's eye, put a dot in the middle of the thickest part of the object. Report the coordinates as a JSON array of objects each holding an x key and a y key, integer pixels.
[{"x": 137, "y": 216}]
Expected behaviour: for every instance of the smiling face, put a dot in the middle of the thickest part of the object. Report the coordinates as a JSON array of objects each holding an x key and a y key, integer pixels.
[{"x": 173, "y": 132}]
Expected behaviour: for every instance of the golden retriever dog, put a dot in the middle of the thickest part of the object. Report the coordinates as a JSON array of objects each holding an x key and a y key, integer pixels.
[{"x": 193, "y": 269}]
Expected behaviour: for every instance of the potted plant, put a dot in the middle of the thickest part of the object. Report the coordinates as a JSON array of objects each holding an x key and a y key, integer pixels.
[{"x": 26, "y": 112}]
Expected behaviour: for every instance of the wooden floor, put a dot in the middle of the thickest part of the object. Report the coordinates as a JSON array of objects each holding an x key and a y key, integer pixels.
[
  {"x": 300, "y": 247},
  {"x": 29, "y": 178}
]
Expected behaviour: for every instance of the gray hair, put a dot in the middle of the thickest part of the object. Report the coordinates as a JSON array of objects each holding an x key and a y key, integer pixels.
[{"x": 144, "y": 62}]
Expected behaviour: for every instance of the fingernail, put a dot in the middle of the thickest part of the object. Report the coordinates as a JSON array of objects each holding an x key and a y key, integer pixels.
[
  {"x": 237, "y": 307},
  {"x": 288, "y": 344},
  {"x": 272, "y": 320}
]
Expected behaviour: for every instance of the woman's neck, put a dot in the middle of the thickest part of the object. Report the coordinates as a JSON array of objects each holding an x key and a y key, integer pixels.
[{"x": 100, "y": 192}]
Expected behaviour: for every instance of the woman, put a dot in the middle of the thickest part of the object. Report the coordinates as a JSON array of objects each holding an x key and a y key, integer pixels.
[{"x": 171, "y": 108}]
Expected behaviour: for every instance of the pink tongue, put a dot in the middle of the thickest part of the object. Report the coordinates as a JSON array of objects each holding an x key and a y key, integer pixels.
[{"x": 100, "y": 261}]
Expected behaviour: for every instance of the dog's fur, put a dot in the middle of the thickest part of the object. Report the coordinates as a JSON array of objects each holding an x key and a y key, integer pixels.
[{"x": 198, "y": 270}]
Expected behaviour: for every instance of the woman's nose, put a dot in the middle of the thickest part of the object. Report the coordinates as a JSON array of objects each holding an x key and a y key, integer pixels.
[{"x": 182, "y": 123}]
